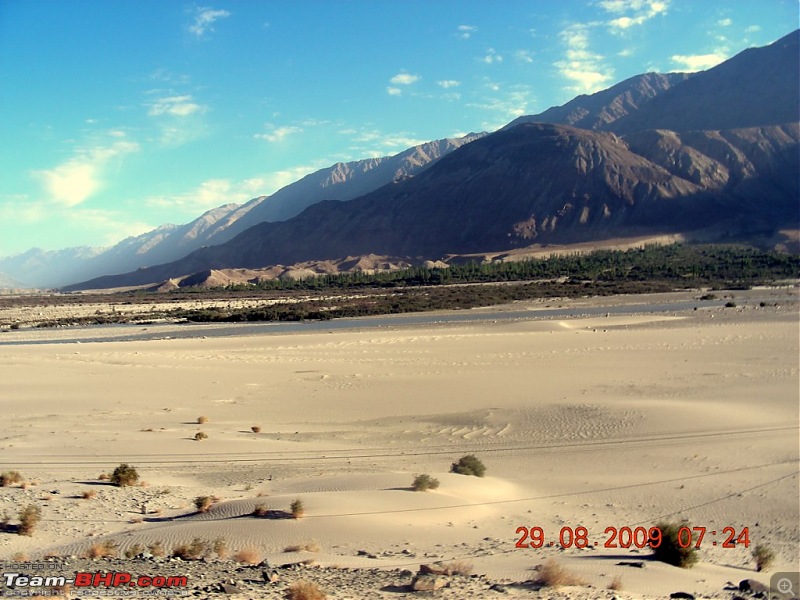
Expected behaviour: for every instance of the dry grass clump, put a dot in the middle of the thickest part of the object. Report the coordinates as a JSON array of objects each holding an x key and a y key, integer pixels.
[
  {"x": 309, "y": 546},
  {"x": 261, "y": 510},
  {"x": 107, "y": 549},
  {"x": 88, "y": 494},
  {"x": 103, "y": 477},
  {"x": 124, "y": 475},
  {"x": 297, "y": 508},
  {"x": 200, "y": 435},
  {"x": 10, "y": 478},
  {"x": 20, "y": 557},
  {"x": 670, "y": 550},
  {"x": 256, "y": 428},
  {"x": 195, "y": 550},
  {"x": 305, "y": 590},
  {"x": 204, "y": 503},
  {"x": 616, "y": 584},
  {"x": 424, "y": 482},
  {"x": 248, "y": 556},
  {"x": 220, "y": 548},
  {"x": 764, "y": 556},
  {"x": 459, "y": 567},
  {"x": 202, "y": 420},
  {"x": 552, "y": 574},
  {"x": 157, "y": 549},
  {"x": 134, "y": 551},
  {"x": 29, "y": 518}
]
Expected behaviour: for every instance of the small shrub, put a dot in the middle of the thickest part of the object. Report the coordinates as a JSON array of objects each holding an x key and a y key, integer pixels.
[
  {"x": 88, "y": 495},
  {"x": 124, "y": 475},
  {"x": 157, "y": 549},
  {"x": 309, "y": 546},
  {"x": 203, "y": 503},
  {"x": 248, "y": 556},
  {"x": 424, "y": 482},
  {"x": 616, "y": 584},
  {"x": 134, "y": 551},
  {"x": 468, "y": 465},
  {"x": 297, "y": 508},
  {"x": 202, "y": 420},
  {"x": 256, "y": 428},
  {"x": 20, "y": 557},
  {"x": 196, "y": 550},
  {"x": 552, "y": 574},
  {"x": 107, "y": 549},
  {"x": 200, "y": 435},
  {"x": 305, "y": 590},
  {"x": 29, "y": 517},
  {"x": 730, "y": 304},
  {"x": 10, "y": 478},
  {"x": 103, "y": 477},
  {"x": 261, "y": 510},
  {"x": 670, "y": 551},
  {"x": 764, "y": 556},
  {"x": 220, "y": 548}
]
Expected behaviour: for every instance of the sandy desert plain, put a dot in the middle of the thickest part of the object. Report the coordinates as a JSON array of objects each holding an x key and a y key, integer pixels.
[{"x": 603, "y": 420}]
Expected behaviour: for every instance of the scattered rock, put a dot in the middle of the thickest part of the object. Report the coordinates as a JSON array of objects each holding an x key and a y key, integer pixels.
[
  {"x": 683, "y": 595},
  {"x": 753, "y": 586},
  {"x": 498, "y": 588},
  {"x": 227, "y": 588},
  {"x": 428, "y": 583},
  {"x": 632, "y": 563},
  {"x": 430, "y": 570}
]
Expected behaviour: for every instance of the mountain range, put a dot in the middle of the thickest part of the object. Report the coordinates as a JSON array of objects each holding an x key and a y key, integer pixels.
[{"x": 715, "y": 151}]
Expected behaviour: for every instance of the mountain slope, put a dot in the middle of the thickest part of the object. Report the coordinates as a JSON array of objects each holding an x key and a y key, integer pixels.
[
  {"x": 533, "y": 183},
  {"x": 342, "y": 181},
  {"x": 759, "y": 86},
  {"x": 598, "y": 110}
]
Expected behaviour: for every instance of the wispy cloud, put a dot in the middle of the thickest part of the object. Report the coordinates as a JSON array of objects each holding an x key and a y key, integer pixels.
[
  {"x": 492, "y": 57},
  {"x": 448, "y": 83},
  {"x": 697, "y": 62},
  {"x": 278, "y": 134},
  {"x": 77, "y": 179},
  {"x": 204, "y": 19},
  {"x": 176, "y": 106},
  {"x": 394, "y": 91},
  {"x": 505, "y": 106},
  {"x": 582, "y": 67},
  {"x": 404, "y": 79},
  {"x": 466, "y": 31},
  {"x": 752, "y": 28},
  {"x": 372, "y": 142},
  {"x": 633, "y": 12},
  {"x": 524, "y": 56},
  {"x": 725, "y": 22}
]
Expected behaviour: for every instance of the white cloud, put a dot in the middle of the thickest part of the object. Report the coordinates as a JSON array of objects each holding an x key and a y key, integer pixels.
[
  {"x": 513, "y": 103},
  {"x": 581, "y": 66},
  {"x": 80, "y": 177},
  {"x": 278, "y": 134},
  {"x": 393, "y": 91},
  {"x": 492, "y": 57},
  {"x": 404, "y": 79},
  {"x": 753, "y": 28},
  {"x": 465, "y": 31},
  {"x": 375, "y": 143},
  {"x": 448, "y": 83},
  {"x": 525, "y": 56},
  {"x": 725, "y": 22},
  {"x": 204, "y": 19},
  {"x": 638, "y": 12},
  {"x": 176, "y": 106},
  {"x": 698, "y": 62}
]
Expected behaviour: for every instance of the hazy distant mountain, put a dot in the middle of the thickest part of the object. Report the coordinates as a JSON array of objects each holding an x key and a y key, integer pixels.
[
  {"x": 535, "y": 183},
  {"x": 602, "y": 108},
  {"x": 342, "y": 181},
  {"x": 7, "y": 283}
]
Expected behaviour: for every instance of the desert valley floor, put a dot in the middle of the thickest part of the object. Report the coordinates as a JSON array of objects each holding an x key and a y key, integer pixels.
[{"x": 601, "y": 421}]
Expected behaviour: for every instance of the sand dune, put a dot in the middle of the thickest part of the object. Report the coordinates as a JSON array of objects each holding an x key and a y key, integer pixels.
[{"x": 596, "y": 422}]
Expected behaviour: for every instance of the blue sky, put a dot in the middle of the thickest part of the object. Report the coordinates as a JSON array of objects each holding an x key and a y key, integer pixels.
[{"x": 117, "y": 117}]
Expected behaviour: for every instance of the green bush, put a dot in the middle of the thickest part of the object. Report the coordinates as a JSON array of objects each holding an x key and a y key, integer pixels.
[
  {"x": 468, "y": 465},
  {"x": 124, "y": 475},
  {"x": 670, "y": 550},
  {"x": 424, "y": 482}
]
